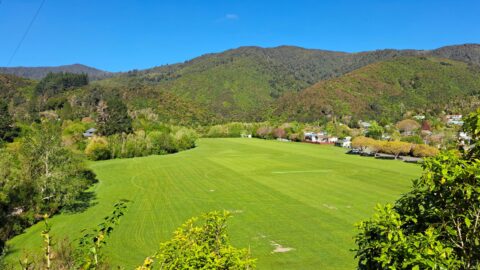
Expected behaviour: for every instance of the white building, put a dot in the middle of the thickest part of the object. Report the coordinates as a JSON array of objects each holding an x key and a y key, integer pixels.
[
  {"x": 345, "y": 142},
  {"x": 454, "y": 119}
]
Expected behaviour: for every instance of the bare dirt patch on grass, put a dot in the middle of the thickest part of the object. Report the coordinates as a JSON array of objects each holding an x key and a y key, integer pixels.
[{"x": 279, "y": 248}]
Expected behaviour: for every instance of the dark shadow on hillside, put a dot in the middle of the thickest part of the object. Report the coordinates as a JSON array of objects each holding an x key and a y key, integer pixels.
[
  {"x": 7, "y": 250},
  {"x": 84, "y": 201},
  {"x": 86, "y": 198}
]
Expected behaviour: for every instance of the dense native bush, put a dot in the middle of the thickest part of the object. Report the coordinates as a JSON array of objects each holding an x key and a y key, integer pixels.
[
  {"x": 8, "y": 131},
  {"x": 218, "y": 131},
  {"x": 113, "y": 117},
  {"x": 55, "y": 83},
  {"x": 292, "y": 131},
  {"x": 72, "y": 134},
  {"x": 375, "y": 131},
  {"x": 97, "y": 149},
  {"x": 161, "y": 142},
  {"x": 140, "y": 144},
  {"x": 412, "y": 139},
  {"x": 185, "y": 138},
  {"x": 39, "y": 175},
  {"x": 233, "y": 130},
  {"x": 434, "y": 226}
]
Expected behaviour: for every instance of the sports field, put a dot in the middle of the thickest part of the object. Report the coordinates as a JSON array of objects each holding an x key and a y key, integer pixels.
[{"x": 301, "y": 199}]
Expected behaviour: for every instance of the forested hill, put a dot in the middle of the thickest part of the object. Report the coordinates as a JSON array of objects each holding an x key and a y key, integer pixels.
[
  {"x": 239, "y": 84},
  {"x": 388, "y": 89},
  {"x": 41, "y": 72},
  {"x": 253, "y": 83},
  {"x": 14, "y": 88}
]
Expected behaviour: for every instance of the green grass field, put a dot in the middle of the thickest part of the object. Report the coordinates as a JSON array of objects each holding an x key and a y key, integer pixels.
[{"x": 300, "y": 196}]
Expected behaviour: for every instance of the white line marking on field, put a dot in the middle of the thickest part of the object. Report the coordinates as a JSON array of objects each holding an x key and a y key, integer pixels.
[{"x": 331, "y": 207}]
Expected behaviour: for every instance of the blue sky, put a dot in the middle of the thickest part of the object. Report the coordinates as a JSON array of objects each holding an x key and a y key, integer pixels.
[{"x": 122, "y": 35}]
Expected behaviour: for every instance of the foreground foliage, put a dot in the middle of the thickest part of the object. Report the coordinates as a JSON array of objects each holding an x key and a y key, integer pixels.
[
  {"x": 434, "y": 226},
  {"x": 200, "y": 247},
  {"x": 87, "y": 255}
]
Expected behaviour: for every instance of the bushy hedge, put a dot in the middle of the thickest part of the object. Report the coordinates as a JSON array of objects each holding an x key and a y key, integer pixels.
[
  {"x": 97, "y": 149},
  {"x": 396, "y": 148},
  {"x": 234, "y": 129},
  {"x": 140, "y": 144},
  {"x": 422, "y": 150}
]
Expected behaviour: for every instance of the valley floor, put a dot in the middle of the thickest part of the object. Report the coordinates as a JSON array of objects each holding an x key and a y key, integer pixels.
[{"x": 294, "y": 204}]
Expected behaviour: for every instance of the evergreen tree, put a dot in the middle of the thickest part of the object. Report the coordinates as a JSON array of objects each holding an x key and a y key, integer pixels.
[
  {"x": 113, "y": 117},
  {"x": 7, "y": 129}
]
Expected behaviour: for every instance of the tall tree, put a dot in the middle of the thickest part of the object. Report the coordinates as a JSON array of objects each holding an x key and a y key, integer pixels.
[
  {"x": 437, "y": 224},
  {"x": 7, "y": 128},
  {"x": 113, "y": 117},
  {"x": 39, "y": 177}
]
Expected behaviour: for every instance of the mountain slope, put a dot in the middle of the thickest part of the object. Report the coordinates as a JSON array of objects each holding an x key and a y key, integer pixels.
[
  {"x": 40, "y": 72},
  {"x": 385, "y": 89},
  {"x": 240, "y": 84},
  {"x": 12, "y": 86}
]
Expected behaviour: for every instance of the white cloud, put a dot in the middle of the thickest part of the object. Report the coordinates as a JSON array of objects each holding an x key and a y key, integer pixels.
[{"x": 232, "y": 16}]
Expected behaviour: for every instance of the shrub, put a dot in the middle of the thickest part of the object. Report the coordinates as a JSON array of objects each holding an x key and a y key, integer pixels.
[
  {"x": 97, "y": 149},
  {"x": 413, "y": 139},
  {"x": 296, "y": 137},
  {"x": 279, "y": 133},
  {"x": 161, "y": 143},
  {"x": 185, "y": 138},
  {"x": 217, "y": 131},
  {"x": 264, "y": 132},
  {"x": 396, "y": 148},
  {"x": 375, "y": 131},
  {"x": 434, "y": 226},
  {"x": 201, "y": 246},
  {"x": 423, "y": 150},
  {"x": 408, "y": 125},
  {"x": 363, "y": 143}
]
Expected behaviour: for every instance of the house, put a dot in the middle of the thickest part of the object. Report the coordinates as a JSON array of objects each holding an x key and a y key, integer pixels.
[
  {"x": 464, "y": 136},
  {"x": 454, "y": 119},
  {"x": 310, "y": 137},
  {"x": 319, "y": 137},
  {"x": 332, "y": 139},
  {"x": 345, "y": 142},
  {"x": 89, "y": 132},
  {"x": 464, "y": 139},
  {"x": 365, "y": 125},
  {"x": 386, "y": 137}
]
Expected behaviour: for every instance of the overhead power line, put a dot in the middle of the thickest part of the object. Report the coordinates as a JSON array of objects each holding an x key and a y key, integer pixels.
[{"x": 26, "y": 32}]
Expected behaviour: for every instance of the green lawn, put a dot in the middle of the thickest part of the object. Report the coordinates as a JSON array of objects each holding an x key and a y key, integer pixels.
[{"x": 301, "y": 196}]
